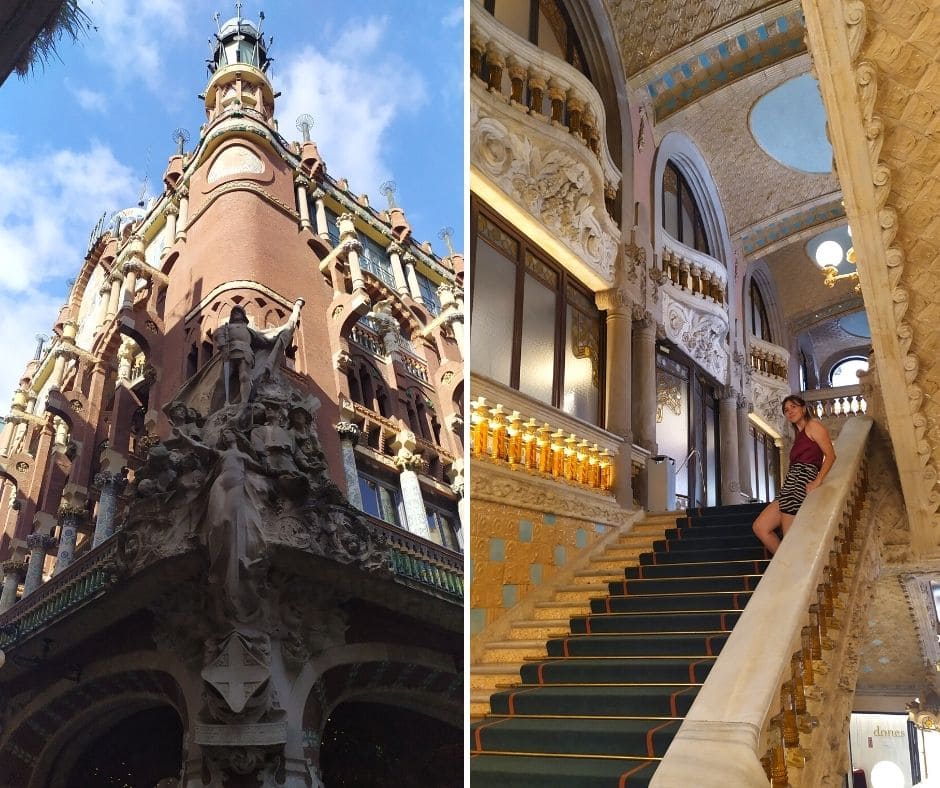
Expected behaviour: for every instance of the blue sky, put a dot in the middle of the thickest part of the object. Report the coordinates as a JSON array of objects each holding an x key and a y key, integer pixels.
[{"x": 79, "y": 136}]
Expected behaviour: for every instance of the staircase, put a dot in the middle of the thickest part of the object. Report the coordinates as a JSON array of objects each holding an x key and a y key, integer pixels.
[{"x": 601, "y": 703}]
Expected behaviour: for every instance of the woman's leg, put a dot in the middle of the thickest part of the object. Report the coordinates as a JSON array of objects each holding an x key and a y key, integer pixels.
[
  {"x": 765, "y": 524},
  {"x": 786, "y": 520}
]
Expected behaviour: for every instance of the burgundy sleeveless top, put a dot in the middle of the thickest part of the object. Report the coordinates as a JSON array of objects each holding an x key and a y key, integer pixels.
[{"x": 805, "y": 449}]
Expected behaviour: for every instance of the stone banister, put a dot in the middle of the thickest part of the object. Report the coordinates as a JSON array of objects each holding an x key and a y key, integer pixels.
[
  {"x": 553, "y": 83},
  {"x": 724, "y": 735},
  {"x": 840, "y": 402},
  {"x": 768, "y": 358},
  {"x": 695, "y": 259}
]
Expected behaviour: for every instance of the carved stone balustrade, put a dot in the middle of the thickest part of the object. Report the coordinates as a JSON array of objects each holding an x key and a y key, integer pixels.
[
  {"x": 539, "y": 149},
  {"x": 691, "y": 270},
  {"x": 837, "y": 403},
  {"x": 768, "y": 359}
]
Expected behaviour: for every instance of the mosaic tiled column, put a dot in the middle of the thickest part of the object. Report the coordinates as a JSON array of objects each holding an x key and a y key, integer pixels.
[
  {"x": 38, "y": 545},
  {"x": 455, "y": 476},
  {"x": 728, "y": 448},
  {"x": 348, "y": 437},
  {"x": 70, "y": 520},
  {"x": 111, "y": 486},
  {"x": 13, "y": 573}
]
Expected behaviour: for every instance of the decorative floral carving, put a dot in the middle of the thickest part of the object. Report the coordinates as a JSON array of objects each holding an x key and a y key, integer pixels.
[
  {"x": 700, "y": 334},
  {"x": 554, "y": 186}
]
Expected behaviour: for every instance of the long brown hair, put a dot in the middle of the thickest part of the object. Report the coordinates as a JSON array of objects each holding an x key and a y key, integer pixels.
[{"x": 807, "y": 411}]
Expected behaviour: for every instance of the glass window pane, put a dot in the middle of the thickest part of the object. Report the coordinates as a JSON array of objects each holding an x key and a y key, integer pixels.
[
  {"x": 537, "y": 366},
  {"x": 672, "y": 423},
  {"x": 845, "y": 373},
  {"x": 582, "y": 350},
  {"x": 494, "y": 294},
  {"x": 429, "y": 294},
  {"x": 370, "y": 497},
  {"x": 688, "y": 217}
]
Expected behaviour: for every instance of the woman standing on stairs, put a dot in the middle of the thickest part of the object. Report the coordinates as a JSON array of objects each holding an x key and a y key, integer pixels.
[{"x": 811, "y": 458}]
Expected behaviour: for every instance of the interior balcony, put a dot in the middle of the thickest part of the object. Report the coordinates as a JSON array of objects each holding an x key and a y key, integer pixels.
[{"x": 539, "y": 149}]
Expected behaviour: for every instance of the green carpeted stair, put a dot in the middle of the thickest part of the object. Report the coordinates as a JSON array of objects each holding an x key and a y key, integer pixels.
[{"x": 602, "y": 708}]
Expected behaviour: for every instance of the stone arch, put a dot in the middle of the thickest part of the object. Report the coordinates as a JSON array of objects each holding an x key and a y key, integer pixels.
[
  {"x": 41, "y": 742},
  {"x": 682, "y": 152},
  {"x": 411, "y": 678},
  {"x": 759, "y": 273}
]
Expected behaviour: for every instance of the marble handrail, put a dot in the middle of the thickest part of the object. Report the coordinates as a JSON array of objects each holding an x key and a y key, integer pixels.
[
  {"x": 840, "y": 402},
  {"x": 719, "y": 743}
]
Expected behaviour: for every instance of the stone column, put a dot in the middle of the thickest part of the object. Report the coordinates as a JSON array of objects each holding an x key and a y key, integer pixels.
[
  {"x": 408, "y": 464},
  {"x": 617, "y": 304},
  {"x": 114, "y": 297},
  {"x": 644, "y": 381},
  {"x": 348, "y": 437},
  {"x": 302, "y": 205},
  {"x": 455, "y": 319},
  {"x": 744, "y": 449},
  {"x": 111, "y": 486},
  {"x": 13, "y": 573},
  {"x": 171, "y": 212},
  {"x": 412, "y": 278},
  {"x": 71, "y": 519},
  {"x": 184, "y": 215},
  {"x": 101, "y": 313},
  {"x": 130, "y": 269},
  {"x": 395, "y": 252},
  {"x": 323, "y": 229},
  {"x": 728, "y": 448},
  {"x": 38, "y": 545},
  {"x": 58, "y": 367}
]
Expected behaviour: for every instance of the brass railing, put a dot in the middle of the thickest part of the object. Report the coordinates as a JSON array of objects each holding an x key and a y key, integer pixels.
[{"x": 522, "y": 443}]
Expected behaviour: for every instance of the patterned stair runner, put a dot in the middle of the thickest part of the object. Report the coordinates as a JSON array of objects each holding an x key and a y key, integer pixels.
[{"x": 602, "y": 708}]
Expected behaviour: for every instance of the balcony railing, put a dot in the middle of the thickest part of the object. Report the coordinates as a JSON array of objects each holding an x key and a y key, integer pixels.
[
  {"x": 418, "y": 562},
  {"x": 838, "y": 403},
  {"x": 691, "y": 270},
  {"x": 87, "y": 577},
  {"x": 767, "y": 358},
  {"x": 540, "y": 85}
]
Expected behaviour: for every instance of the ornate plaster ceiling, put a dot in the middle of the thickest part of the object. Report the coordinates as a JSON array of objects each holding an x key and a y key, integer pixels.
[{"x": 753, "y": 185}]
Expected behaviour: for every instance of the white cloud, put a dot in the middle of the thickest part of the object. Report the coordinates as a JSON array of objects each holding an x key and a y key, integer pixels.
[
  {"x": 91, "y": 100},
  {"x": 354, "y": 91},
  {"x": 48, "y": 206},
  {"x": 454, "y": 17},
  {"x": 130, "y": 35}
]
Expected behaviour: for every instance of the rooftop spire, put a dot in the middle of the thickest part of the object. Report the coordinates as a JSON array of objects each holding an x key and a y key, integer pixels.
[{"x": 239, "y": 41}]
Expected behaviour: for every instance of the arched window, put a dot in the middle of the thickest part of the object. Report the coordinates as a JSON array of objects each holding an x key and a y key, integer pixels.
[
  {"x": 758, "y": 323},
  {"x": 845, "y": 372},
  {"x": 682, "y": 217}
]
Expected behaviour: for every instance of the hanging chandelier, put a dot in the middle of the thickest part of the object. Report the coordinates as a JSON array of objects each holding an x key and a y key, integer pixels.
[{"x": 829, "y": 254}]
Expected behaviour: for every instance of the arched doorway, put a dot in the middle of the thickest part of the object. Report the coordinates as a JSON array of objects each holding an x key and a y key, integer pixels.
[
  {"x": 135, "y": 751},
  {"x": 369, "y": 744}
]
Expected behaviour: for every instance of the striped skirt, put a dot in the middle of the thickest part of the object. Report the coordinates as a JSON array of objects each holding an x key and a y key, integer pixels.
[{"x": 794, "y": 486}]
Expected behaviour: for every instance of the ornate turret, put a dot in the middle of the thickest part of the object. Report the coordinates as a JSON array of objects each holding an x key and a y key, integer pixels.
[{"x": 238, "y": 80}]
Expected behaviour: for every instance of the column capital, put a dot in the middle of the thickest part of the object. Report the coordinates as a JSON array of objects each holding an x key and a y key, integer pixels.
[
  {"x": 348, "y": 431},
  {"x": 408, "y": 461},
  {"x": 39, "y": 542},
  {"x": 116, "y": 480},
  {"x": 171, "y": 209},
  {"x": 395, "y": 248},
  {"x": 351, "y": 245},
  {"x": 318, "y": 193},
  {"x": 301, "y": 180},
  {"x": 409, "y": 259},
  {"x": 616, "y": 300},
  {"x": 68, "y": 510},
  {"x": 14, "y": 567}
]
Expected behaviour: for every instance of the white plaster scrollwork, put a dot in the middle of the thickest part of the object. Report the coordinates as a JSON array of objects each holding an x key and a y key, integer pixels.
[
  {"x": 767, "y": 396},
  {"x": 699, "y": 333},
  {"x": 554, "y": 184}
]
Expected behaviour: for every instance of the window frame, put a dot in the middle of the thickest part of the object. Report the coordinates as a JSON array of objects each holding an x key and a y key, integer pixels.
[
  {"x": 758, "y": 309},
  {"x": 699, "y": 240},
  {"x": 564, "y": 281}
]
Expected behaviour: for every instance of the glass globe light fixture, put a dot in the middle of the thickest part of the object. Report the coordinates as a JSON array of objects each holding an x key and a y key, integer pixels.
[{"x": 829, "y": 254}]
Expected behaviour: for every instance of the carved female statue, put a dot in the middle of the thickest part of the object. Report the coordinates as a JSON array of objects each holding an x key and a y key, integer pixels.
[{"x": 232, "y": 524}]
